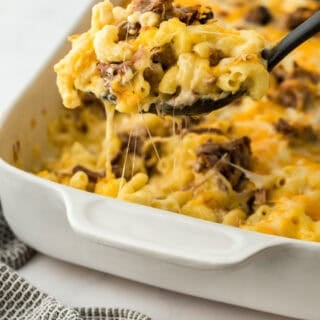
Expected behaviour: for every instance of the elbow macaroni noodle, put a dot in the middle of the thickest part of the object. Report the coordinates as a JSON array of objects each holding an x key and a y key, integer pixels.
[{"x": 253, "y": 165}]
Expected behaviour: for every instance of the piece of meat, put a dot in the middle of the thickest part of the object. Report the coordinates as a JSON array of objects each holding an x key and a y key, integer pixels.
[
  {"x": 299, "y": 72},
  {"x": 153, "y": 75},
  {"x": 293, "y": 93},
  {"x": 161, "y": 7},
  {"x": 204, "y": 14},
  {"x": 297, "y": 17},
  {"x": 128, "y": 31},
  {"x": 166, "y": 10},
  {"x": 220, "y": 155},
  {"x": 305, "y": 133},
  {"x": 296, "y": 88},
  {"x": 117, "y": 170},
  {"x": 190, "y": 14},
  {"x": 215, "y": 57},
  {"x": 280, "y": 73},
  {"x": 186, "y": 15},
  {"x": 116, "y": 164},
  {"x": 133, "y": 142},
  {"x": 164, "y": 55},
  {"x": 256, "y": 199},
  {"x": 283, "y": 126},
  {"x": 92, "y": 175},
  {"x": 111, "y": 70},
  {"x": 259, "y": 15},
  {"x": 260, "y": 197}
]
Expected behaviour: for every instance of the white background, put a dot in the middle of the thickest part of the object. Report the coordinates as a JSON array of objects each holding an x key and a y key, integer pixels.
[{"x": 29, "y": 31}]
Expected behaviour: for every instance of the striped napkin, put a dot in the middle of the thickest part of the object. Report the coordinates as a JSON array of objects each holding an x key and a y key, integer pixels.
[{"x": 19, "y": 300}]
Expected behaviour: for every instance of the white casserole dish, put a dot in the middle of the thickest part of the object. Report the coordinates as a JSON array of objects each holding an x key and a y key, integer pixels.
[{"x": 160, "y": 248}]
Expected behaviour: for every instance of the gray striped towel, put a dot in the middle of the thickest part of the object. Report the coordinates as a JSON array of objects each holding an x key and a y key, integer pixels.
[{"x": 19, "y": 300}]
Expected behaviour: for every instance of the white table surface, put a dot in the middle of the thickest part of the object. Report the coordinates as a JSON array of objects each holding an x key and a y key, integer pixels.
[{"x": 29, "y": 31}]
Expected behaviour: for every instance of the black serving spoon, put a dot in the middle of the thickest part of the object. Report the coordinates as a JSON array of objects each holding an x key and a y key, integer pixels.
[{"x": 273, "y": 56}]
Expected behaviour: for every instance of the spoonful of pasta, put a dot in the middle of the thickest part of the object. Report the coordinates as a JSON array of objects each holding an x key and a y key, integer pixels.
[
  {"x": 272, "y": 57},
  {"x": 157, "y": 56}
]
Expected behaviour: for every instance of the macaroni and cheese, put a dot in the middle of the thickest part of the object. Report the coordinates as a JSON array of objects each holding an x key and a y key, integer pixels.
[
  {"x": 253, "y": 165},
  {"x": 154, "y": 51}
]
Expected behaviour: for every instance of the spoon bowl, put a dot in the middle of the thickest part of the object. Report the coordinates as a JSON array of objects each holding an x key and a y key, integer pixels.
[{"x": 200, "y": 106}]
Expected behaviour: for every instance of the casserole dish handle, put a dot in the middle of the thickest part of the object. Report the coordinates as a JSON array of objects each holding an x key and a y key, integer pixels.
[{"x": 175, "y": 238}]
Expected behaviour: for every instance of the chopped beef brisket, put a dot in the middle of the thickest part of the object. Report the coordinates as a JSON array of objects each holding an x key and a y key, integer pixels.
[
  {"x": 297, "y": 73},
  {"x": 293, "y": 93},
  {"x": 302, "y": 132},
  {"x": 116, "y": 164},
  {"x": 257, "y": 198},
  {"x": 128, "y": 31},
  {"x": 300, "y": 73},
  {"x": 280, "y": 73},
  {"x": 161, "y": 7},
  {"x": 186, "y": 15},
  {"x": 215, "y": 57},
  {"x": 259, "y": 15},
  {"x": 260, "y": 197},
  {"x": 237, "y": 152},
  {"x": 204, "y": 15},
  {"x": 131, "y": 145},
  {"x": 298, "y": 16},
  {"x": 133, "y": 142},
  {"x": 92, "y": 175},
  {"x": 111, "y": 70},
  {"x": 296, "y": 88},
  {"x": 166, "y": 9},
  {"x": 164, "y": 55},
  {"x": 153, "y": 75}
]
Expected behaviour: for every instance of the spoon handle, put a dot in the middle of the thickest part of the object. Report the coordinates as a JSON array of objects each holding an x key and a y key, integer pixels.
[{"x": 299, "y": 35}]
